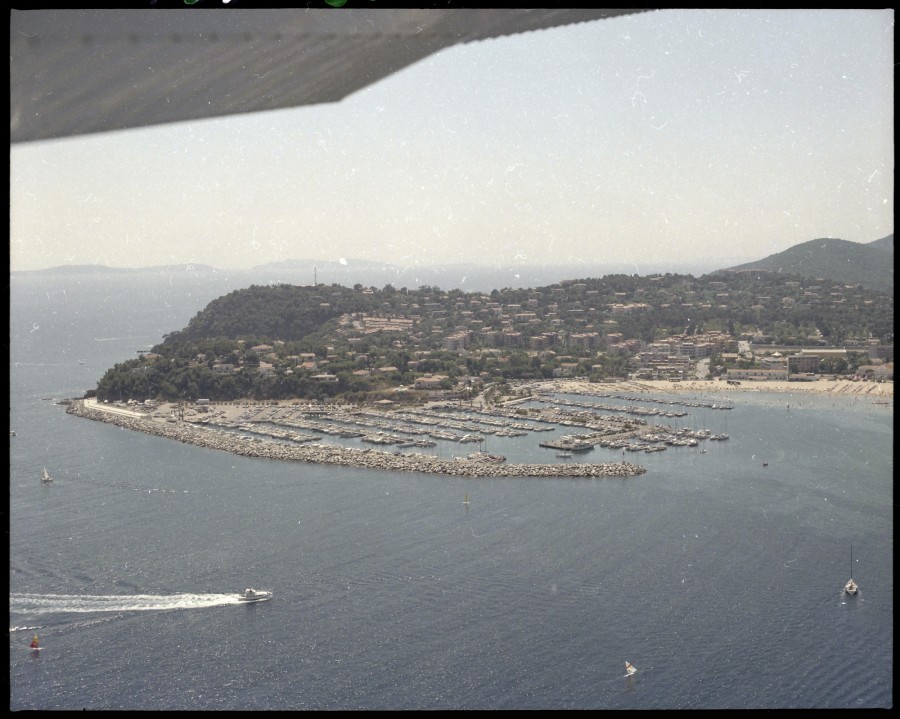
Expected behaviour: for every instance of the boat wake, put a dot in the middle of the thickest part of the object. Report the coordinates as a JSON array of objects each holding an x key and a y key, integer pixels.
[{"x": 87, "y": 603}]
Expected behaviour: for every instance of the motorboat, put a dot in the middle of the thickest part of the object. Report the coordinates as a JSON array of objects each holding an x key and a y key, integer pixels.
[{"x": 254, "y": 595}]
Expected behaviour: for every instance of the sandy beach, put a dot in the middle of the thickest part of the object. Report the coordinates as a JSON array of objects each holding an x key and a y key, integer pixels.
[{"x": 876, "y": 390}]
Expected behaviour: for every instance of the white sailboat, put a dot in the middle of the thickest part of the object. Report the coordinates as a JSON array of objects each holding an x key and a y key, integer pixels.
[
  {"x": 46, "y": 477},
  {"x": 851, "y": 587},
  {"x": 630, "y": 669}
]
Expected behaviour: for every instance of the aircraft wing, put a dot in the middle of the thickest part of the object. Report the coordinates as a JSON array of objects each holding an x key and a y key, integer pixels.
[{"x": 79, "y": 71}]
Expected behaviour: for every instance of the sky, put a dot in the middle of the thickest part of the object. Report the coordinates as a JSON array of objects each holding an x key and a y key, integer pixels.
[{"x": 726, "y": 135}]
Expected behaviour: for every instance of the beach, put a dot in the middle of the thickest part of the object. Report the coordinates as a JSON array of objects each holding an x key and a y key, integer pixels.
[{"x": 874, "y": 390}]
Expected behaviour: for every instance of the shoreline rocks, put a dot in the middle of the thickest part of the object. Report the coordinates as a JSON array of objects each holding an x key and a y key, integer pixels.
[{"x": 346, "y": 456}]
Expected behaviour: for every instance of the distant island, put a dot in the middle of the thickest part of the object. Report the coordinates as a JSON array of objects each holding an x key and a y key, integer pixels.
[{"x": 868, "y": 264}]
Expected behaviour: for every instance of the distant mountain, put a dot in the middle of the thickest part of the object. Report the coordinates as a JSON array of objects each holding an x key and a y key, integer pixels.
[
  {"x": 868, "y": 264},
  {"x": 467, "y": 277},
  {"x": 78, "y": 270},
  {"x": 885, "y": 243},
  {"x": 104, "y": 270}
]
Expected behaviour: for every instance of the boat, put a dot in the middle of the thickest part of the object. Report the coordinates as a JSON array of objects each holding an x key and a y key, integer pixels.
[
  {"x": 254, "y": 595},
  {"x": 466, "y": 499},
  {"x": 630, "y": 669},
  {"x": 485, "y": 457},
  {"x": 851, "y": 587},
  {"x": 46, "y": 477},
  {"x": 35, "y": 642},
  {"x": 564, "y": 453}
]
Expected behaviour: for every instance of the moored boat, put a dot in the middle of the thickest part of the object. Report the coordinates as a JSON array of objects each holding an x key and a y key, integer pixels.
[{"x": 485, "y": 457}]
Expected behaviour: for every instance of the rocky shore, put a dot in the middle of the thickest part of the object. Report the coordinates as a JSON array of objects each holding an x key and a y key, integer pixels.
[{"x": 203, "y": 436}]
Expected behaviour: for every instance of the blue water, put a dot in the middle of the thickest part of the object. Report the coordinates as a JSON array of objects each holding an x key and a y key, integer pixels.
[{"x": 720, "y": 579}]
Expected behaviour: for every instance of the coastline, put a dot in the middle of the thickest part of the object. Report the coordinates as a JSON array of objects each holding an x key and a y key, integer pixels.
[
  {"x": 873, "y": 390},
  {"x": 209, "y": 437},
  {"x": 202, "y": 436}
]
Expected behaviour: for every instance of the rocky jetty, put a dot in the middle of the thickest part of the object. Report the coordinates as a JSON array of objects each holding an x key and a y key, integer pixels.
[{"x": 204, "y": 436}]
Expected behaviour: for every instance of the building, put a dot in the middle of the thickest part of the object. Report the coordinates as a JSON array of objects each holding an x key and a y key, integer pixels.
[
  {"x": 429, "y": 381},
  {"x": 759, "y": 375},
  {"x": 803, "y": 362}
]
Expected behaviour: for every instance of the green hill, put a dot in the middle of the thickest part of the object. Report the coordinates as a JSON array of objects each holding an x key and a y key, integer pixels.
[
  {"x": 868, "y": 264},
  {"x": 287, "y": 312}
]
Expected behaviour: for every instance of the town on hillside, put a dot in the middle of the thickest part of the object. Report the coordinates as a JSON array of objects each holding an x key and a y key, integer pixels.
[{"x": 364, "y": 344}]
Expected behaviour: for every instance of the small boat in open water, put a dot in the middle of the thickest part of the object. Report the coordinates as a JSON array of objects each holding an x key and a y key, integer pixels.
[
  {"x": 254, "y": 595},
  {"x": 46, "y": 477},
  {"x": 851, "y": 587},
  {"x": 630, "y": 669}
]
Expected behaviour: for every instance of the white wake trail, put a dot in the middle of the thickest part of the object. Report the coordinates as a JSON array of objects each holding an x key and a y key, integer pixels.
[{"x": 85, "y": 603}]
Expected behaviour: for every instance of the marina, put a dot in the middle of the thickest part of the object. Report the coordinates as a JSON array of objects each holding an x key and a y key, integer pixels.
[
  {"x": 223, "y": 438},
  {"x": 416, "y": 435}
]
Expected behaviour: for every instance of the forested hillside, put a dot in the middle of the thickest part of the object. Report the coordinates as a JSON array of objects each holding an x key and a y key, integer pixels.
[
  {"x": 287, "y": 312},
  {"x": 870, "y": 264}
]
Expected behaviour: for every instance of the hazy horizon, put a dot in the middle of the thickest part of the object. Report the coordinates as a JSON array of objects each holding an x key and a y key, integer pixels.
[
  {"x": 712, "y": 137},
  {"x": 350, "y": 263}
]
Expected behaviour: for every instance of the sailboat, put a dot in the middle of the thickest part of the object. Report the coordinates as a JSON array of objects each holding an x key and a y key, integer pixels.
[
  {"x": 35, "y": 642},
  {"x": 630, "y": 669},
  {"x": 466, "y": 499},
  {"x": 851, "y": 586},
  {"x": 46, "y": 477}
]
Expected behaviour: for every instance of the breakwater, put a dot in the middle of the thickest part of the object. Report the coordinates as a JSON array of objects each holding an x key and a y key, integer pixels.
[{"x": 209, "y": 438}]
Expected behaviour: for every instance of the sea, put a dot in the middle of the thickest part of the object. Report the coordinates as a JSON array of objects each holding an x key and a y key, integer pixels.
[{"x": 718, "y": 574}]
